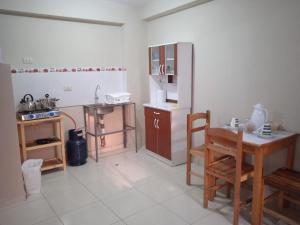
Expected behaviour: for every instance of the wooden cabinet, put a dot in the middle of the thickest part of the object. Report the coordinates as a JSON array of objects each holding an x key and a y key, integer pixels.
[
  {"x": 163, "y": 60},
  {"x": 170, "y": 85},
  {"x": 158, "y": 132}
]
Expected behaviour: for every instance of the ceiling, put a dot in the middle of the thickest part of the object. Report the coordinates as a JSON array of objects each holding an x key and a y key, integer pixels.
[{"x": 137, "y": 3}]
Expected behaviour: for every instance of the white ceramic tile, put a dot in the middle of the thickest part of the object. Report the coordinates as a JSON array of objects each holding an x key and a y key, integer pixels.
[
  {"x": 119, "y": 223},
  {"x": 108, "y": 186},
  {"x": 186, "y": 207},
  {"x": 52, "y": 221},
  {"x": 156, "y": 215},
  {"x": 58, "y": 184},
  {"x": 26, "y": 213},
  {"x": 160, "y": 189},
  {"x": 214, "y": 219},
  {"x": 70, "y": 199},
  {"x": 219, "y": 202},
  {"x": 33, "y": 197},
  {"x": 227, "y": 211},
  {"x": 91, "y": 173},
  {"x": 128, "y": 203},
  {"x": 133, "y": 172},
  {"x": 49, "y": 175},
  {"x": 93, "y": 214}
]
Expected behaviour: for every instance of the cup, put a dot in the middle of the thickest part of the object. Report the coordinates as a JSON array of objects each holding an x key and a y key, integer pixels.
[
  {"x": 265, "y": 130},
  {"x": 234, "y": 122}
]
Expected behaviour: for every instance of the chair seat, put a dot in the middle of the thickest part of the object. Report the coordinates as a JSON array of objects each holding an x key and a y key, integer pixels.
[
  {"x": 284, "y": 179},
  {"x": 198, "y": 151},
  {"x": 226, "y": 168}
]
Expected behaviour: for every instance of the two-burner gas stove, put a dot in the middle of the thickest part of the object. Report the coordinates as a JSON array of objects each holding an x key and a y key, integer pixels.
[{"x": 39, "y": 114}]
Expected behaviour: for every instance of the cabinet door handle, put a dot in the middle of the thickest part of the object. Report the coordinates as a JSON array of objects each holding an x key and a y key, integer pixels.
[
  {"x": 157, "y": 121},
  {"x": 163, "y": 69},
  {"x": 156, "y": 113},
  {"x": 154, "y": 123}
]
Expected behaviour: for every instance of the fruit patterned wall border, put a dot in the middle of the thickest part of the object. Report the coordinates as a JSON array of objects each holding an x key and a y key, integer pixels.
[{"x": 73, "y": 69}]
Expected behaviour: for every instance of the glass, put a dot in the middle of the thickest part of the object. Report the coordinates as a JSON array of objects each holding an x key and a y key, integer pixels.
[{"x": 170, "y": 59}]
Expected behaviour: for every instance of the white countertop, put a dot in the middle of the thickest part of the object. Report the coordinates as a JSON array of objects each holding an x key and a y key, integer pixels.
[
  {"x": 254, "y": 138},
  {"x": 165, "y": 106}
]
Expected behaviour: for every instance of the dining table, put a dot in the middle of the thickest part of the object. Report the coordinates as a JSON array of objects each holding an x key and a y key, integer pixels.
[{"x": 259, "y": 148}]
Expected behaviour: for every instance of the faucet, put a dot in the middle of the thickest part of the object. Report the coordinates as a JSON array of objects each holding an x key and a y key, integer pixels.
[{"x": 96, "y": 94}]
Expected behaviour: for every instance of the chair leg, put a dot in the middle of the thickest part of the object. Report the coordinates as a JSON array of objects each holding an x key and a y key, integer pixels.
[
  {"x": 188, "y": 169},
  {"x": 280, "y": 200},
  {"x": 228, "y": 190},
  {"x": 206, "y": 191},
  {"x": 237, "y": 203}
]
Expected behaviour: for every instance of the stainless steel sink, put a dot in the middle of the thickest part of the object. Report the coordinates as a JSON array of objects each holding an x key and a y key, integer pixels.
[{"x": 102, "y": 109}]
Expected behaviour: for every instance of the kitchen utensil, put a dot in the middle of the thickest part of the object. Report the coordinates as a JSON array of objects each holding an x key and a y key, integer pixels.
[
  {"x": 265, "y": 130},
  {"x": 259, "y": 116},
  {"x": 27, "y": 104},
  {"x": 234, "y": 122},
  {"x": 43, "y": 141},
  {"x": 47, "y": 103}
]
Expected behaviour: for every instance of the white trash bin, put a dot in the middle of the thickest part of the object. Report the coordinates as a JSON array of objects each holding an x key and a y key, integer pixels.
[{"x": 31, "y": 169}]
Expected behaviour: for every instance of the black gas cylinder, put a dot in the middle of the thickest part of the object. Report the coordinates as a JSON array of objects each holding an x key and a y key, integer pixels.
[{"x": 76, "y": 148}]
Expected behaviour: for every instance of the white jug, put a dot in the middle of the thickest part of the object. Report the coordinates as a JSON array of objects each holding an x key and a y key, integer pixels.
[{"x": 259, "y": 116}]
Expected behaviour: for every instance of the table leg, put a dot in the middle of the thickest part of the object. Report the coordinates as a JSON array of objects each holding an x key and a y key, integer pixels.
[
  {"x": 291, "y": 155},
  {"x": 135, "y": 127},
  {"x": 124, "y": 127},
  {"x": 96, "y": 133},
  {"x": 257, "y": 203}
]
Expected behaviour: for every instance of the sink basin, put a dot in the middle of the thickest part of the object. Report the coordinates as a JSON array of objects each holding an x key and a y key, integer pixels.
[{"x": 102, "y": 109}]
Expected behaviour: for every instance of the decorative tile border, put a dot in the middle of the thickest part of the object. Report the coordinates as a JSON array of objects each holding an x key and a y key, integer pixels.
[{"x": 63, "y": 70}]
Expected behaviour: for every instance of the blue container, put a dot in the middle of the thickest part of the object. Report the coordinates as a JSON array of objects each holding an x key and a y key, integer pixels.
[{"x": 76, "y": 148}]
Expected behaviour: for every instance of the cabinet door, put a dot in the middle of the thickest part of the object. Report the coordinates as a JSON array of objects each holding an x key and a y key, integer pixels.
[
  {"x": 164, "y": 134},
  {"x": 170, "y": 67},
  {"x": 162, "y": 59},
  {"x": 154, "y": 61},
  {"x": 151, "y": 132}
]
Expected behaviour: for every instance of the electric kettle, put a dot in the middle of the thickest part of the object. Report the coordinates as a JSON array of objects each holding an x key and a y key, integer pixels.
[{"x": 259, "y": 116}]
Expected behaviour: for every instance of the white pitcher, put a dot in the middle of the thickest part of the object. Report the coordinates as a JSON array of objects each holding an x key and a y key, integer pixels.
[{"x": 259, "y": 116}]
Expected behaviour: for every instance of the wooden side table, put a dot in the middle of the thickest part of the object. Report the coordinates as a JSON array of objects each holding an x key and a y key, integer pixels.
[{"x": 59, "y": 161}]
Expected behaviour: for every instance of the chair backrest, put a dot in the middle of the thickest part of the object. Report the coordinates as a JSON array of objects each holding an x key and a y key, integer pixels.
[
  {"x": 191, "y": 118},
  {"x": 225, "y": 142}
]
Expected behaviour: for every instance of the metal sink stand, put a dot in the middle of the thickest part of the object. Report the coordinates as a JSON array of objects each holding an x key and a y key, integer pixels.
[{"x": 97, "y": 133}]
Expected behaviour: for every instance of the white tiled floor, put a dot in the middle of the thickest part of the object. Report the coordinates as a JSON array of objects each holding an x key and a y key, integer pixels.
[{"x": 125, "y": 189}]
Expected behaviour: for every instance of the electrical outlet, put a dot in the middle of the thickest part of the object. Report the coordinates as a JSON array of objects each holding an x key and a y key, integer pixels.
[
  {"x": 67, "y": 88},
  {"x": 27, "y": 60}
]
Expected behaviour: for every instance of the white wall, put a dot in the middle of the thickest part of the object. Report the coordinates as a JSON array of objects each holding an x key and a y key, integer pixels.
[
  {"x": 53, "y": 43},
  {"x": 245, "y": 52},
  {"x": 132, "y": 35}
]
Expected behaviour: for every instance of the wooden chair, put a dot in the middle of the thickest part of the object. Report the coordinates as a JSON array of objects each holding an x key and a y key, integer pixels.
[
  {"x": 288, "y": 184},
  {"x": 229, "y": 168},
  {"x": 197, "y": 151}
]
